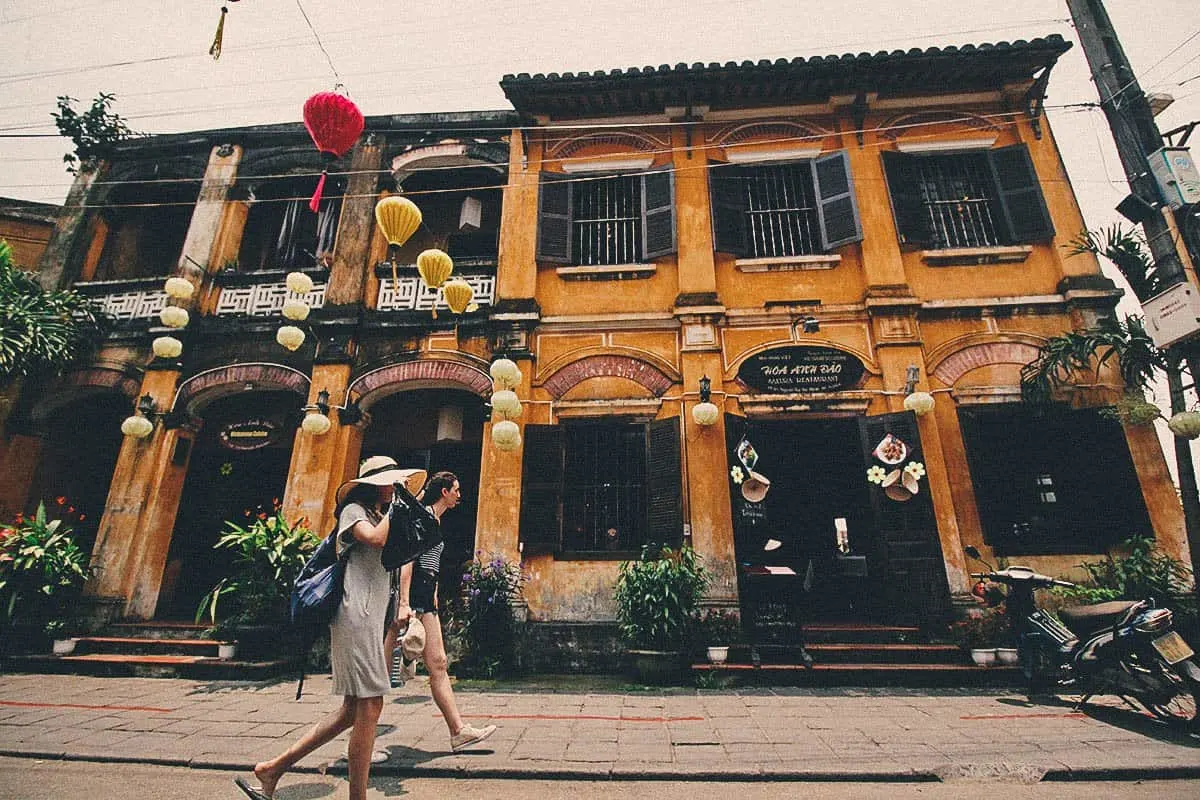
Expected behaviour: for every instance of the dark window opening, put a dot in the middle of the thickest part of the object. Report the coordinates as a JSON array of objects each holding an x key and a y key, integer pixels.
[
  {"x": 606, "y": 228},
  {"x": 282, "y": 232},
  {"x": 781, "y": 210},
  {"x": 958, "y": 199},
  {"x": 604, "y": 507},
  {"x": 144, "y": 240}
]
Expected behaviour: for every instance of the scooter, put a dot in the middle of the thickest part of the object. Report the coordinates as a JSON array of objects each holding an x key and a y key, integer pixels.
[{"x": 1121, "y": 647}]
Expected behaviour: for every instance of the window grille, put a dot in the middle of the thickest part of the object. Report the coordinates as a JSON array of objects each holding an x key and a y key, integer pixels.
[
  {"x": 957, "y": 192},
  {"x": 604, "y": 507},
  {"x": 607, "y": 220},
  {"x": 781, "y": 211}
]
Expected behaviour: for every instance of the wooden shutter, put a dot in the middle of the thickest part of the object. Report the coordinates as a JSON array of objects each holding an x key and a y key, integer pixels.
[
  {"x": 664, "y": 501},
  {"x": 726, "y": 187},
  {"x": 836, "y": 205},
  {"x": 1021, "y": 202},
  {"x": 542, "y": 488},
  {"x": 907, "y": 554},
  {"x": 908, "y": 204},
  {"x": 658, "y": 213},
  {"x": 554, "y": 218}
]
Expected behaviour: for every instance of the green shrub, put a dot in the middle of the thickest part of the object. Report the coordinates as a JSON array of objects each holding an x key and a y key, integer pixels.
[
  {"x": 1143, "y": 572},
  {"x": 42, "y": 568},
  {"x": 484, "y": 625},
  {"x": 657, "y": 598}
]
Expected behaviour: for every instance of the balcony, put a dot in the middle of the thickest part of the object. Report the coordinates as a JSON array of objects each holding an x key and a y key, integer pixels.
[
  {"x": 126, "y": 300},
  {"x": 262, "y": 294},
  {"x": 409, "y": 292}
]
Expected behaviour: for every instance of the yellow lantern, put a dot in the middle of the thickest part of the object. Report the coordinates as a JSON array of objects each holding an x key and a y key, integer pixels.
[
  {"x": 505, "y": 373},
  {"x": 398, "y": 219},
  {"x": 506, "y": 435},
  {"x": 173, "y": 317},
  {"x": 179, "y": 288},
  {"x": 458, "y": 295},
  {"x": 435, "y": 267},
  {"x": 705, "y": 413},
  {"x": 1185, "y": 424},
  {"x": 167, "y": 347},
  {"x": 506, "y": 404},
  {"x": 137, "y": 426},
  {"x": 298, "y": 283},
  {"x": 920, "y": 403},
  {"x": 290, "y": 337},
  {"x": 316, "y": 423},
  {"x": 295, "y": 309}
]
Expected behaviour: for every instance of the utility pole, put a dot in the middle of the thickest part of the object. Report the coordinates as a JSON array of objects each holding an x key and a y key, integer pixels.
[{"x": 1137, "y": 136}]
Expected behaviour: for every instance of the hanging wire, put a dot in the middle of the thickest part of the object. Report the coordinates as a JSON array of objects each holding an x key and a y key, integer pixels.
[{"x": 336, "y": 77}]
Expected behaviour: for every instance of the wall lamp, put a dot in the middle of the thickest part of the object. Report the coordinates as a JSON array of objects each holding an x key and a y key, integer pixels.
[
  {"x": 705, "y": 413},
  {"x": 920, "y": 403},
  {"x": 141, "y": 423},
  {"x": 810, "y": 324},
  {"x": 316, "y": 420}
]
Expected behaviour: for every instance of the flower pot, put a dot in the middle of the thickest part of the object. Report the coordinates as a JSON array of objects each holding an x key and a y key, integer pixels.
[
  {"x": 657, "y": 667},
  {"x": 226, "y": 650},
  {"x": 1007, "y": 656},
  {"x": 718, "y": 654},
  {"x": 63, "y": 647},
  {"x": 984, "y": 658}
]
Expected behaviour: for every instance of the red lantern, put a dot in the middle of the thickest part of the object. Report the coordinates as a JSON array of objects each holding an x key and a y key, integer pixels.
[{"x": 334, "y": 123}]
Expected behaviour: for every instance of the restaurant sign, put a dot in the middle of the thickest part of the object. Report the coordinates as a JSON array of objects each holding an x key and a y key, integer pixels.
[
  {"x": 250, "y": 434},
  {"x": 801, "y": 368}
]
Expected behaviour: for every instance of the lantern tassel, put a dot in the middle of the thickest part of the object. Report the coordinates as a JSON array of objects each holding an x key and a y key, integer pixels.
[
  {"x": 314, "y": 204},
  {"x": 215, "y": 50},
  {"x": 395, "y": 279}
]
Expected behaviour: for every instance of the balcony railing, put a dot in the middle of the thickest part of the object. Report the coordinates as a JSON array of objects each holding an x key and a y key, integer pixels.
[
  {"x": 127, "y": 299},
  {"x": 410, "y": 293},
  {"x": 264, "y": 299}
]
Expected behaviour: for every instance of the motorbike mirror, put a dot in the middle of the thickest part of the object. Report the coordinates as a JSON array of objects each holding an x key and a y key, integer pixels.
[{"x": 973, "y": 551}]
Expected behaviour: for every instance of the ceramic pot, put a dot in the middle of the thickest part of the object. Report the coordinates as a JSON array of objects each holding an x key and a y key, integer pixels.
[
  {"x": 226, "y": 650},
  {"x": 1007, "y": 656},
  {"x": 63, "y": 647},
  {"x": 984, "y": 658},
  {"x": 718, "y": 655}
]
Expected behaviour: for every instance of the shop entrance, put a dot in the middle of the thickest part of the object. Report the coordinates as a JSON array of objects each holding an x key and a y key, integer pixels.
[
  {"x": 238, "y": 470},
  {"x": 815, "y": 520}
]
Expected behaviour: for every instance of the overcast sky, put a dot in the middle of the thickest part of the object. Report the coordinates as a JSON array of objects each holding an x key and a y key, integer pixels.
[{"x": 409, "y": 57}]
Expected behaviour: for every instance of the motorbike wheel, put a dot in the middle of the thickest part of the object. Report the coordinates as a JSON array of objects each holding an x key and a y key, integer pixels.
[{"x": 1181, "y": 693}]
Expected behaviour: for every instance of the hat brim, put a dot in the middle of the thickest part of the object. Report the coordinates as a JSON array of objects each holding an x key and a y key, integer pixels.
[
  {"x": 755, "y": 487},
  {"x": 413, "y": 480}
]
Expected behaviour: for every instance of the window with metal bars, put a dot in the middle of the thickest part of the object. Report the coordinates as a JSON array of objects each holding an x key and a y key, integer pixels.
[
  {"x": 607, "y": 224},
  {"x": 959, "y": 200},
  {"x": 781, "y": 210},
  {"x": 605, "y": 507}
]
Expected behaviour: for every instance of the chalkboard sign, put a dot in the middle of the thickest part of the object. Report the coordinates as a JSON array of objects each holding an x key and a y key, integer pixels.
[{"x": 801, "y": 368}]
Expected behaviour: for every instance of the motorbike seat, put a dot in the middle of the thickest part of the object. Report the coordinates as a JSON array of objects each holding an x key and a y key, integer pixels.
[{"x": 1086, "y": 620}]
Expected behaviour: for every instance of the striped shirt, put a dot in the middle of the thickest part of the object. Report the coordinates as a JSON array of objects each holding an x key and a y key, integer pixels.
[{"x": 431, "y": 560}]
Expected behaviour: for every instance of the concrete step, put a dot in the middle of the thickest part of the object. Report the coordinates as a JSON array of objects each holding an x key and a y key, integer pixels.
[
  {"x": 855, "y": 653},
  {"x": 860, "y": 674},
  {"x": 861, "y": 632},
  {"x": 155, "y": 630},
  {"x": 129, "y": 645},
  {"x": 150, "y": 666}
]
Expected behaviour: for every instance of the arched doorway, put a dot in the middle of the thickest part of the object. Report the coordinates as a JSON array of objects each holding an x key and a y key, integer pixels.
[
  {"x": 238, "y": 470},
  {"x": 436, "y": 429}
]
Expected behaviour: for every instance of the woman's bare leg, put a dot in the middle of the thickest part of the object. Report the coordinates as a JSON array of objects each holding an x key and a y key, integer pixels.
[
  {"x": 362, "y": 742},
  {"x": 439, "y": 672},
  {"x": 269, "y": 772}
]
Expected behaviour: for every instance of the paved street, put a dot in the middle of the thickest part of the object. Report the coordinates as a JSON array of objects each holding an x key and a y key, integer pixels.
[{"x": 759, "y": 734}]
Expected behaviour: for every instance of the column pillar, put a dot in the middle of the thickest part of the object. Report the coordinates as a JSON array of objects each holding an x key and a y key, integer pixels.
[
  {"x": 516, "y": 273},
  {"x": 356, "y": 226},
  {"x": 498, "y": 523},
  {"x": 693, "y": 217}
]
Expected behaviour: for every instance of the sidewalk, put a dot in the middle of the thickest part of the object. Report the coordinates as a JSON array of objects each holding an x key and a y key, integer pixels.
[{"x": 749, "y": 734}]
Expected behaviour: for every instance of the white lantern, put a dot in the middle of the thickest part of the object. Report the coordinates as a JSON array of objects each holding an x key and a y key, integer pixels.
[
  {"x": 506, "y": 403},
  {"x": 705, "y": 413},
  {"x": 316, "y": 423},
  {"x": 295, "y": 309},
  {"x": 505, "y": 373},
  {"x": 299, "y": 283},
  {"x": 137, "y": 426},
  {"x": 290, "y": 337},
  {"x": 506, "y": 435},
  {"x": 920, "y": 403},
  {"x": 167, "y": 347},
  {"x": 174, "y": 317},
  {"x": 179, "y": 288},
  {"x": 1185, "y": 424}
]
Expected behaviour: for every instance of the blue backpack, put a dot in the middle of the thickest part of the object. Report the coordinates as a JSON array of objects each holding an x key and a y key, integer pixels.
[{"x": 317, "y": 595}]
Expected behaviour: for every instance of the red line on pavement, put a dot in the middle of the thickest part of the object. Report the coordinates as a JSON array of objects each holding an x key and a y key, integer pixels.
[
  {"x": 583, "y": 716},
  {"x": 80, "y": 705},
  {"x": 1064, "y": 715}
]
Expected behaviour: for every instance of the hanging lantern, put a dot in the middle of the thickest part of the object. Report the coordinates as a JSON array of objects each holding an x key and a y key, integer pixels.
[
  {"x": 458, "y": 294},
  {"x": 298, "y": 283},
  {"x": 435, "y": 267},
  {"x": 296, "y": 309},
  {"x": 167, "y": 347},
  {"x": 179, "y": 288},
  {"x": 505, "y": 373},
  {"x": 173, "y": 317},
  {"x": 705, "y": 413},
  {"x": 137, "y": 426},
  {"x": 506, "y": 403},
  {"x": 290, "y": 337},
  {"x": 506, "y": 435},
  {"x": 334, "y": 123},
  {"x": 316, "y": 423},
  {"x": 398, "y": 219},
  {"x": 1185, "y": 424},
  {"x": 920, "y": 403}
]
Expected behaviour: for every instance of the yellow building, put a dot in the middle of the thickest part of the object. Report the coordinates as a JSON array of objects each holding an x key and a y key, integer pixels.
[{"x": 812, "y": 246}]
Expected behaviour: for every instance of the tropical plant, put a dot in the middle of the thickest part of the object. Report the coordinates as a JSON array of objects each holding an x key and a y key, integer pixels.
[
  {"x": 1065, "y": 358},
  {"x": 1141, "y": 571},
  {"x": 94, "y": 132},
  {"x": 484, "y": 615},
  {"x": 42, "y": 568},
  {"x": 269, "y": 554},
  {"x": 1126, "y": 249},
  {"x": 657, "y": 597},
  {"x": 40, "y": 329}
]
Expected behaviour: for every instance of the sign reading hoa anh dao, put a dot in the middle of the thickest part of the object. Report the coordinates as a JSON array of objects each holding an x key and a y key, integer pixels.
[
  {"x": 249, "y": 434},
  {"x": 801, "y": 368}
]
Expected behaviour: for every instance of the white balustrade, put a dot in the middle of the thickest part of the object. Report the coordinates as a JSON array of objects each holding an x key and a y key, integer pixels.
[
  {"x": 132, "y": 305},
  {"x": 264, "y": 299},
  {"x": 411, "y": 293}
]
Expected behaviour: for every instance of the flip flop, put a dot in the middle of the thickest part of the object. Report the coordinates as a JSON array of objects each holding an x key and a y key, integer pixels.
[{"x": 251, "y": 792}]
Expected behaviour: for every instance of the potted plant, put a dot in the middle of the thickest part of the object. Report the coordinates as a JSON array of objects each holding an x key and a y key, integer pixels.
[
  {"x": 977, "y": 634},
  {"x": 657, "y": 597},
  {"x": 224, "y": 633},
  {"x": 718, "y": 630},
  {"x": 61, "y": 635}
]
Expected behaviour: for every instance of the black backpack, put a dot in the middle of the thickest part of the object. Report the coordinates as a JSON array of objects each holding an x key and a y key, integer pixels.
[
  {"x": 316, "y": 596},
  {"x": 412, "y": 530}
]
